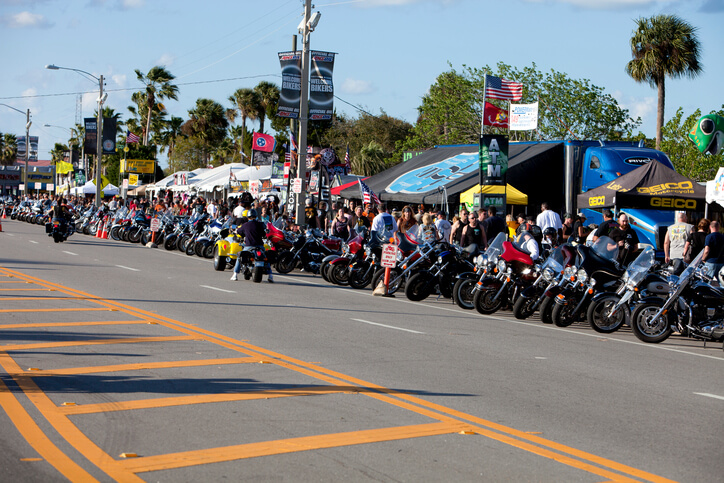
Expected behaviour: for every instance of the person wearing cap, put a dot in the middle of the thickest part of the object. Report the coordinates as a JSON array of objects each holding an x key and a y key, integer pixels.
[
  {"x": 253, "y": 232},
  {"x": 605, "y": 228},
  {"x": 580, "y": 230}
]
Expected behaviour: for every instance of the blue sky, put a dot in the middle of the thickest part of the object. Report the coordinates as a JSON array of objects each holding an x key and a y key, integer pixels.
[{"x": 389, "y": 51}]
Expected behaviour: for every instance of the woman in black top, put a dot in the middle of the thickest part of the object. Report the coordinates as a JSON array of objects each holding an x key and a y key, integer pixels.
[{"x": 696, "y": 240}]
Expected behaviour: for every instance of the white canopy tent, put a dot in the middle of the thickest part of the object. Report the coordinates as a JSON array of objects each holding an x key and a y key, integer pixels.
[
  {"x": 171, "y": 182},
  {"x": 715, "y": 188},
  {"x": 218, "y": 178},
  {"x": 90, "y": 189}
]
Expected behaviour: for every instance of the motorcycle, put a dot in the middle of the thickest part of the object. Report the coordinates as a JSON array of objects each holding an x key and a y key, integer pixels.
[
  {"x": 441, "y": 276},
  {"x": 308, "y": 250},
  {"x": 362, "y": 270},
  {"x": 485, "y": 265},
  {"x": 549, "y": 275},
  {"x": 596, "y": 270},
  {"x": 338, "y": 268},
  {"x": 517, "y": 271},
  {"x": 60, "y": 230},
  {"x": 609, "y": 311},
  {"x": 411, "y": 256},
  {"x": 693, "y": 307}
]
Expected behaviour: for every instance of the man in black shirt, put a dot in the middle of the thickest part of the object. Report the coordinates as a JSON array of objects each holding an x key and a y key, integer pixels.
[
  {"x": 626, "y": 238},
  {"x": 605, "y": 228},
  {"x": 494, "y": 224},
  {"x": 253, "y": 232}
]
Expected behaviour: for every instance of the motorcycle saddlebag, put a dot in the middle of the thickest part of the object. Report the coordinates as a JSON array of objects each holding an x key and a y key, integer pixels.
[{"x": 48, "y": 228}]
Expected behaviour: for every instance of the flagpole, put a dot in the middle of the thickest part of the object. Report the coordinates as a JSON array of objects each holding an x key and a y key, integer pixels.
[{"x": 482, "y": 131}]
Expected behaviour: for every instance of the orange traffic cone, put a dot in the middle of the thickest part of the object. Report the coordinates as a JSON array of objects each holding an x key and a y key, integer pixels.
[
  {"x": 1, "y": 226},
  {"x": 104, "y": 235},
  {"x": 99, "y": 230},
  {"x": 4, "y": 214}
]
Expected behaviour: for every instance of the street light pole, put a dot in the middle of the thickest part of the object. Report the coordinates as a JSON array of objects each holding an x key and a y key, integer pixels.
[
  {"x": 303, "y": 116},
  {"x": 27, "y": 144},
  {"x": 99, "y": 126}
]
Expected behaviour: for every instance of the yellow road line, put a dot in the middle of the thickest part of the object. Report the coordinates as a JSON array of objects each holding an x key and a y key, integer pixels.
[
  {"x": 145, "y": 365},
  {"x": 78, "y": 343},
  {"x": 72, "y": 324},
  {"x": 26, "y": 290},
  {"x": 38, "y": 440},
  {"x": 40, "y": 298},
  {"x": 75, "y": 309},
  {"x": 291, "y": 445},
  {"x": 199, "y": 399}
]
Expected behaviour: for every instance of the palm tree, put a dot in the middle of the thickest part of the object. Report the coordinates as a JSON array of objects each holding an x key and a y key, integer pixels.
[
  {"x": 246, "y": 102},
  {"x": 268, "y": 93},
  {"x": 8, "y": 149},
  {"x": 171, "y": 130},
  {"x": 371, "y": 160},
  {"x": 663, "y": 46},
  {"x": 158, "y": 86},
  {"x": 208, "y": 123}
]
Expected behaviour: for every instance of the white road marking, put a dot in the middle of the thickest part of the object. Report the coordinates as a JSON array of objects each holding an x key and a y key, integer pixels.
[
  {"x": 10, "y": 234},
  {"x": 70, "y": 253},
  {"x": 215, "y": 288},
  {"x": 387, "y": 326},
  {"x": 709, "y": 395},
  {"x": 128, "y": 268},
  {"x": 33, "y": 241}
]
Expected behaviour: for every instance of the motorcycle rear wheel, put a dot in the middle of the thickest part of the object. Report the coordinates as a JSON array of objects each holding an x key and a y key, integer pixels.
[
  {"x": 209, "y": 250},
  {"x": 484, "y": 303},
  {"x": 134, "y": 235},
  {"x": 380, "y": 276},
  {"x": 285, "y": 263},
  {"x": 199, "y": 248},
  {"x": 219, "y": 261},
  {"x": 523, "y": 307},
  {"x": 114, "y": 233},
  {"x": 599, "y": 320},
  {"x": 324, "y": 272},
  {"x": 257, "y": 274},
  {"x": 419, "y": 287},
  {"x": 563, "y": 315},
  {"x": 647, "y": 328},
  {"x": 463, "y": 293}
]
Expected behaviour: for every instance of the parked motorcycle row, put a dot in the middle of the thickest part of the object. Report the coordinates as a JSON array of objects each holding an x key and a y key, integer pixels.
[{"x": 566, "y": 285}]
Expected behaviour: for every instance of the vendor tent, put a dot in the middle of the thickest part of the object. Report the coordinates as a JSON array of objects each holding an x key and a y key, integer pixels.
[
  {"x": 452, "y": 170},
  {"x": 90, "y": 189},
  {"x": 513, "y": 196},
  {"x": 715, "y": 188},
  {"x": 651, "y": 186},
  {"x": 218, "y": 178}
]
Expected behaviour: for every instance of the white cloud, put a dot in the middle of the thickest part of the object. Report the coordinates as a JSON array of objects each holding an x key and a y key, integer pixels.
[
  {"x": 356, "y": 86},
  {"x": 130, "y": 4},
  {"x": 166, "y": 60},
  {"x": 119, "y": 79},
  {"x": 25, "y": 20}
]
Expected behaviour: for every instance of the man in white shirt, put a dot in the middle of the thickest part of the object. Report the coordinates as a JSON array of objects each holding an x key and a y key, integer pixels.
[
  {"x": 549, "y": 218},
  {"x": 444, "y": 228},
  {"x": 212, "y": 209},
  {"x": 384, "y": 224}
]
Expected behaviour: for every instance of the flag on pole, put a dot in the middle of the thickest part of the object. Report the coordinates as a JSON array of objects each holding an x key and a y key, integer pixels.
[
  {"x": 497, "y": 88},
  {"x": 347, "y": 163},
  {"x": 131, "y": 138},
  {"x": 495, "y": 116},
  {"x": 263, "y": 142},
  {"x": 368, "y": 195}
]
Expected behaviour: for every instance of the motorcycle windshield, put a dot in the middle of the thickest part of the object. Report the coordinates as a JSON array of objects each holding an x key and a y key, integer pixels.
[
  {"x": 495, "y": 248},
  {"x": 638, "y": 269},
  {"x": 605, "y": 248},
  {"x": 689, "y": 271},
  {"x": 556, "y": 260}
]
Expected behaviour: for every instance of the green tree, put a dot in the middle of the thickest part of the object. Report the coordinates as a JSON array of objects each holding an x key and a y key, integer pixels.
[
  {"x": 57, "y": 154},
  {"x": 190, "y": 153},
  {"x": 167, "y": 136},
  {"x": 683, "y": 153},
  {"x": 246, "y": 104},
  {"x": 268, "y": 97},
  {"x": 207, "y": 122},
  {"x": 663, "y": 46},
  {"x": 8, "y": 149},
  {"x": 158, "y": 86}
]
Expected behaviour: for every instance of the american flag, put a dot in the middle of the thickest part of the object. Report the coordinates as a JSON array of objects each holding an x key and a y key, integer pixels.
[
  {"x": 131, "y": 138},
  {"x": 347, "y": 163},
  {"x": 368, "y": 195},
  {"x": 497, "y": 88}
]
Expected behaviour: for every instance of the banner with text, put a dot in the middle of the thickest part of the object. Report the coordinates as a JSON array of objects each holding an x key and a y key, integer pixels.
[
  {"x": 321, "y": 88},
  {"x": 524, "y": 117},
  {"x": 493, "y": 159},
  {"x": 290, "y": 93},
  {"x": 146, "y": 166}
]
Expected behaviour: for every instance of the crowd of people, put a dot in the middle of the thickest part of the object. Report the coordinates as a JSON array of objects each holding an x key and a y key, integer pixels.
[{"x": 683, "y": 241}]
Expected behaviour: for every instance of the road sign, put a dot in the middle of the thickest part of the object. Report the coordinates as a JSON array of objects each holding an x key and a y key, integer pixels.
[
  {"x": 297, "y": 185},
  {"x": 389, "y": 255},
  {"x": 155, "y": 224}
]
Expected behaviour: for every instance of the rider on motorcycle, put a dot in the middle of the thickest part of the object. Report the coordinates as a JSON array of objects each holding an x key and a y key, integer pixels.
[
  {"x": 62, "y": 212},
  {"x": 253, "y": 232}
]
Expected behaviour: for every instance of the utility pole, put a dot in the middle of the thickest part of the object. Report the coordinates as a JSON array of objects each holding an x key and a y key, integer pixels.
[
  {"x": 99, "y": 142},
  {"x": 303, "y": 116}
]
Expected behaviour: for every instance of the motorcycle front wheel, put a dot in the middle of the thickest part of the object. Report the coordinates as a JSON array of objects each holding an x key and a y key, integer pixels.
[
  {"x": 463, "y": 293},
  {"x": 285, "y": 263},
  {"x": 563, "y": 315},
  {"x": 523, "y": 307},
  {"x": 419, "y": 287},
  {"x": 646, "y": 326},
  {"x": 484, "y": 303},
  {"x": 379, "y": 276},
  {"x": 359, "y": 278},
  {"x": 598, "y": 315}
]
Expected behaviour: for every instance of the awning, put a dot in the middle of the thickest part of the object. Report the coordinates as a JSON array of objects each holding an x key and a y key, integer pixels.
[
  {"x": 513, "y": 196},
  {"x": 337, "y": 189}
]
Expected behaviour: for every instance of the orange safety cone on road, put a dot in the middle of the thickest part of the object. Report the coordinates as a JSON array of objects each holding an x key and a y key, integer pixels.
[
  {"x": 104, "y": 235},
  {"x": 99, "y": 230},
  {"x": 5, "y": 215},
  {"x": 1, "y": 226}
]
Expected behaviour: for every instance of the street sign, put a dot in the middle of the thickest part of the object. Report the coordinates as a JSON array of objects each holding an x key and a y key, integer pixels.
[
  {"x": 389, "y": 255},
  {"x": 297, "y": 185},
  {"x": 155, "y": 224}
]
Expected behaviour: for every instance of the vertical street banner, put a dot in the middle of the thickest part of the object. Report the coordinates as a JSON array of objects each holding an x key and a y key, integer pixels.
[
  {"x": 321, "y": 88},
  {"x": 109, "y": 135},
  {"x": 290, "y": 93},
  {"x": 90, "y": 124},
  {"x": 20, "y": 142},
  {"x": 493, "y": 156}
]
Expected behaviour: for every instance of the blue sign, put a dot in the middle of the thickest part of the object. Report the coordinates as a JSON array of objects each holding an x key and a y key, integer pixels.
[{"x": 436, "y": 175}]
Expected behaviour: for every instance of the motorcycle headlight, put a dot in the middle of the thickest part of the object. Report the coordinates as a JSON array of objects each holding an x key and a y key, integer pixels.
[
  {"x": 478, "y": 260},
  {"x": 399, "y": 256},
  {"x": 501, "y": 265},
  {"x": 547, "y": 274},
  {"x": 368, "y": 250},
  {"x": 439, "y": 260},
  {"x": 582, "y": 275},
  {"x": 569, "y": 272}
]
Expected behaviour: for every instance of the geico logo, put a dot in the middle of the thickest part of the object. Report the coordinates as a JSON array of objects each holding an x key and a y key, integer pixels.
[
  {"x": 677, "y": 203},
  {"x": 596, "y": 200},
  {"x": 684, "y": 185}
]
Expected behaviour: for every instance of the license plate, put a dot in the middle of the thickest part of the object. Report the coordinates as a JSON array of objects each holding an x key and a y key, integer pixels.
[{"x": 258, "y": 264}]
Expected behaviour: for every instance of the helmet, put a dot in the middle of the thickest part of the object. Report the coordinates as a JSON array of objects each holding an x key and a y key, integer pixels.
[
  {"x": 251, "y": 213},
  {"x": 550, "y": 232}
]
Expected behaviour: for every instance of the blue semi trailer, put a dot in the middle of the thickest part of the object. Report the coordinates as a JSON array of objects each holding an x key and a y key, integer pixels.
[{"x": 590, "y": 164}]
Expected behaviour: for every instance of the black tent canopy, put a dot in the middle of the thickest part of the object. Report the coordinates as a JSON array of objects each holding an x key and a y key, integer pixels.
[
  {"x": 535, "y": 168},
  {"x": 651, "y": 186}
]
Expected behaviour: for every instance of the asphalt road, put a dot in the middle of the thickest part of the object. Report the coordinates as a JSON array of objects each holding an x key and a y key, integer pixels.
[{"x": 110, "y": 348}]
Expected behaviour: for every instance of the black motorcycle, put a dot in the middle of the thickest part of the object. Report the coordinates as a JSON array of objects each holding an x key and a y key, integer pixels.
[
  {"x": 59, "y": 229},
  {"x": 441, "y": 276},
  {"x": 308, "y": 251},
  {"x": 693, "y": 308}
]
